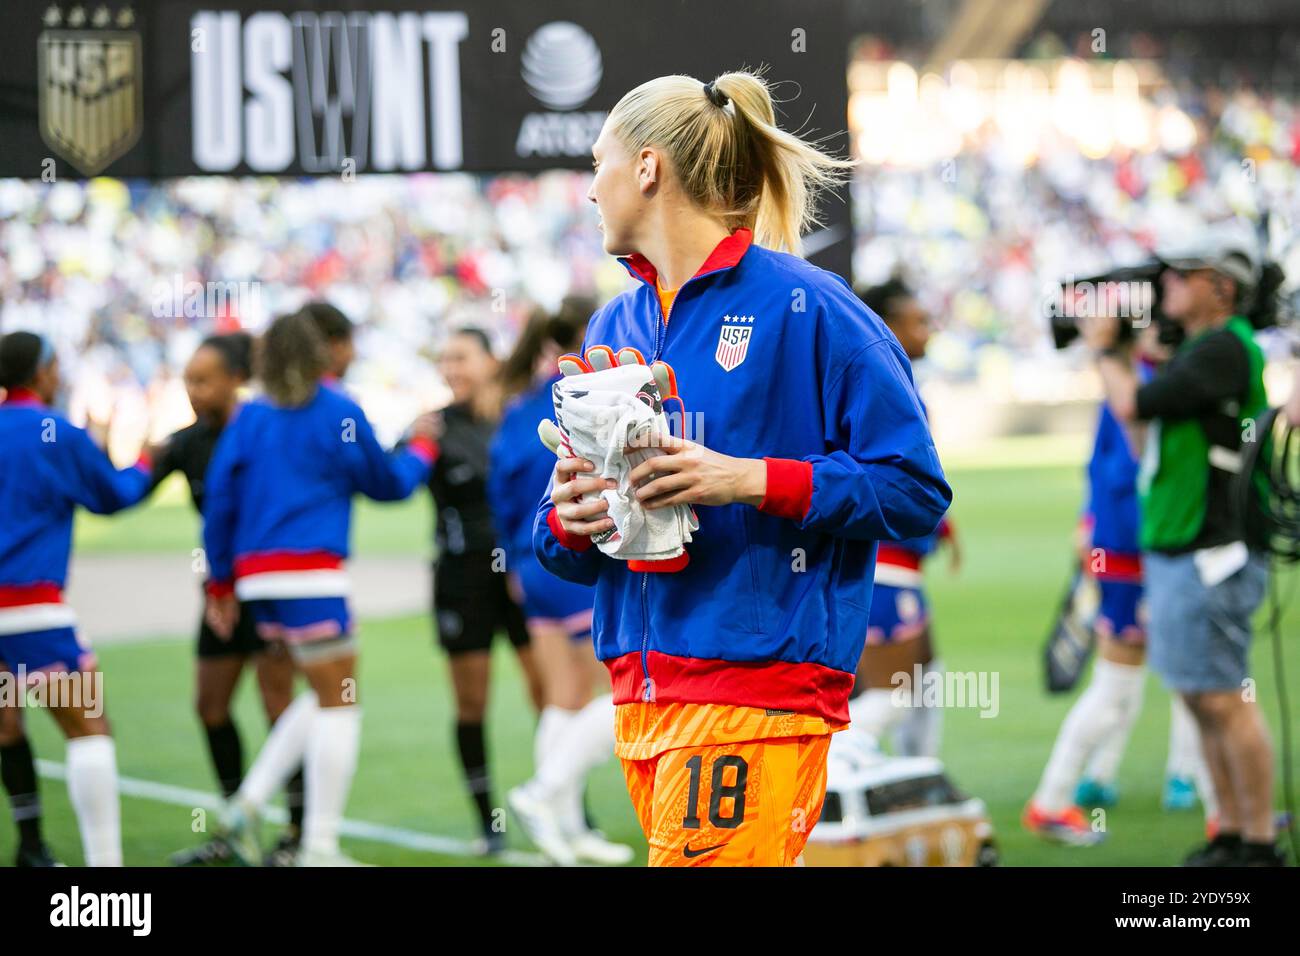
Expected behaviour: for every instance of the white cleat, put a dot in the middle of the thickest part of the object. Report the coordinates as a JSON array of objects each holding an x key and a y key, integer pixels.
[
  {"x": 541, "y": 822},
  {"x": 240, "y": 828},
  {"x": 590, "y": 846}
]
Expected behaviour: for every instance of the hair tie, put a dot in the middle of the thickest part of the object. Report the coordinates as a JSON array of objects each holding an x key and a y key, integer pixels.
[{"x": 715, "y": 95}]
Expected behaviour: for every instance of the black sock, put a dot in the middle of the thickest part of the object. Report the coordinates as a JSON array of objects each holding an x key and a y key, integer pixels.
[
  {"x": 293, "y": 797},
  {"x": 473, "y": 758},
  {"x": 227, "y": 756},
  {"x": 18, "y": 772}
]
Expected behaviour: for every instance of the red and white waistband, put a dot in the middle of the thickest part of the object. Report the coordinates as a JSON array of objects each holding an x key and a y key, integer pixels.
[
  {"x": 33, "y": 607},
  {"x": 279, "y": 575},
  {"x": 897, "y": 567}
]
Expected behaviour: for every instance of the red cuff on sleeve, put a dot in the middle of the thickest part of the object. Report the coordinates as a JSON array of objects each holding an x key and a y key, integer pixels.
[
  {"x": 219, "y": 589},
  {"x": 145, "y": 461},
  {"x": 945, "y": 529},
  {"x": 789, "y": 488},
  {"x": 574, "y": 542},
  {"x": 423, "y": 448}
]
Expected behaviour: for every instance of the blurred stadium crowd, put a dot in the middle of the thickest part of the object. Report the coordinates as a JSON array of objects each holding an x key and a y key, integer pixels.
[{"x": 984, "y": 187}]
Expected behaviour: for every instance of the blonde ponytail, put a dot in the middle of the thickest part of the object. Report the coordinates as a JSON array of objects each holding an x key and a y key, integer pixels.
[{"x": 729, "y": 155}]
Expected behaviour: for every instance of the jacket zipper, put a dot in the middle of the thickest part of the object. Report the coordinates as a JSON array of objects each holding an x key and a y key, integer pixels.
[{"x": 661, "y": 342}]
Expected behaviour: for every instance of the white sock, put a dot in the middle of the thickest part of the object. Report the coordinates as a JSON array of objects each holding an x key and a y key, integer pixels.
[
  {"x": 92, "y": 788},
  {"x": 550, "y": 728},
  {"x": 921, "y": 728},
  {"x": 281, "y": 755},
  {"x": 1184, "y": 741},
  {"x": 331, "y": 762},
  {"x": 873, "y": 712},
  {"x": 587, "y": 743},
  {"x": 1100, "y": 711},
  {"x": 1104, "y": 763}
]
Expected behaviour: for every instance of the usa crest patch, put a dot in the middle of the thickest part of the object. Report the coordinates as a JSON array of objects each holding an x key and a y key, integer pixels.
[{"x": 733, "y": 340}]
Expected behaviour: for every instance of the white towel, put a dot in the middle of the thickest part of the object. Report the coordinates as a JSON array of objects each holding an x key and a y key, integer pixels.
[{"x": 600, "y": 414}]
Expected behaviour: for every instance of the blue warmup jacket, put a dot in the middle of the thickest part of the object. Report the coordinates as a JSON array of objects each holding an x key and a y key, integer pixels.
[
  {"x": 48, "y": 467},
  {"x": 1112, "y": 506},
  {"x": 520, "y": 470},
  {"x": 278, "y": 505},
  {"x": 771, "y": 610}
]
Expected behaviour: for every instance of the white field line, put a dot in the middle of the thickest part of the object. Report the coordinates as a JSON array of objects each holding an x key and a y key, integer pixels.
[{"x": 359, "y": 829}]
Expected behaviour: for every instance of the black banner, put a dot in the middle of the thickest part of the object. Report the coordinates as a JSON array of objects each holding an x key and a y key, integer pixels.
[{"x": 228, "y": 87}]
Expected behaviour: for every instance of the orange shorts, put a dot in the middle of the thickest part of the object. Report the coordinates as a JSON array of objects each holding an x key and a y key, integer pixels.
[{"x": 728, "y": 802}]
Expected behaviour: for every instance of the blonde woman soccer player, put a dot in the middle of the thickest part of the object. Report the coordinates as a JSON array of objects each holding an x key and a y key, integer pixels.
[{"x": 732, "y": 666}]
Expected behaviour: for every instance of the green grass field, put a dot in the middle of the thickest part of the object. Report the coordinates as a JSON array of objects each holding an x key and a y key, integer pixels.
[{"x": 1015, "y": 526}]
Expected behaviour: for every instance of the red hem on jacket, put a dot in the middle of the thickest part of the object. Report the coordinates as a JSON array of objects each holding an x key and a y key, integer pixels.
[
  {"x": 1118, "y": 566},
  {"x": 39, "y": 592},
  {"x": 789, "y": 488},
  {"x": 574, "y": 542},
  {"x": 424, "y": 449},
  {"x": 219, "y": 589},
  {"x": 894, "y": 556},
  {"x": 805, "y": 688},
  {"x": 725, "y": 254},
  {"x": 266, "y": 561},
  {"x": 666, "y": 566}
]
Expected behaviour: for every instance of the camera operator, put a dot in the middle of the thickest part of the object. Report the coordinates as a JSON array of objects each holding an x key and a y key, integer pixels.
[{"x": 1203, "y": 582}]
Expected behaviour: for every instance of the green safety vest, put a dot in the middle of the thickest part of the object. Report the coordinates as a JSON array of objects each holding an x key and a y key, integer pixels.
[{"x": 1175, "y": 472}]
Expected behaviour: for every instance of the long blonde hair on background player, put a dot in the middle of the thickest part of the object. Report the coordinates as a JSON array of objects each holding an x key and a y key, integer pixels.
[{"x": 732, "y": 160}]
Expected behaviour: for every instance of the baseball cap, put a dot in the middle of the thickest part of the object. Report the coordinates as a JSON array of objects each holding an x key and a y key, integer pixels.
[{"x": 1229, "y": 248}]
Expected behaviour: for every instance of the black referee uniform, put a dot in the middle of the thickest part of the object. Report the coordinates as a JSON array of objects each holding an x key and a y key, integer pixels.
[
  {"x": 189, "y": 451},
  {"x": 470, "y": 598}
]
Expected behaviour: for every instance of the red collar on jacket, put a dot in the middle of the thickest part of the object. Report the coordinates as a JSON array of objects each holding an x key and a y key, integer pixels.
[
  {"x": 725, "y": 254},
  {"x": 22, "y": 396}
]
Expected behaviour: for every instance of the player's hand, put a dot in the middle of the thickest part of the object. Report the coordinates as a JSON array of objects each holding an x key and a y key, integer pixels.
[
  {"x": 429, "y": 426},
  {"x": 687, "y": 473},
  {"x": 954, "y": 552},
  {"x": 1101, "y": 332},
  {"x": 574, "y": 480},
  {"x": 222, "y": 614}
]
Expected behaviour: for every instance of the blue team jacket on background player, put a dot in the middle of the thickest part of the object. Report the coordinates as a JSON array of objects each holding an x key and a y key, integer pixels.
[
  {"x": 1111, "y": 509},
  {"x": 519, "y": 472},
  {"x": 48, "y": 467},
  {"x": 278, "y": 503},
  {"x": 771, "y": 610},
  {"x": 520, "y": 469}
]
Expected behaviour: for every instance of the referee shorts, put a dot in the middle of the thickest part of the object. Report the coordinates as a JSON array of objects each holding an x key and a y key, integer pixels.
[{"x": 471, "y": 602}]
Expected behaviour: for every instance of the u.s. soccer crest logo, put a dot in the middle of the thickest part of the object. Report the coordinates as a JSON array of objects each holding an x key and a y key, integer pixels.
[
  {"x": 733, "y": 340},
  {"x": 91, "y": 95}
]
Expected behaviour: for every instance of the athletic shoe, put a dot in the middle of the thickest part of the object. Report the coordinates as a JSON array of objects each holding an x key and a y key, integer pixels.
[
  {"x": 216, "y": 852},
  {"x": 1223, "y": 850},
  {"x": 1180, "y": 794},
  {"x": 1069, "y": 827},
  {"x": 1094, "y": 793},
  {"x": 285, "y": 852},
  {"x": 541, "y": 822},
  {"x": 38, "y": 856},
  {"x": 240, "y": 831},
  {"x": 590, "y": 846},
  {"x": 1249, "y": 855},
  {"x": 315, "y": 858}
]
